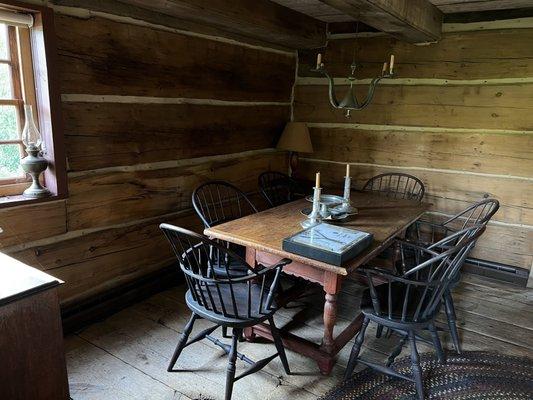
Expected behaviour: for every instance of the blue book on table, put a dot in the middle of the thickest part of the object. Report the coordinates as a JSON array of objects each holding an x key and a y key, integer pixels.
[{"x": 328, "y": 243}]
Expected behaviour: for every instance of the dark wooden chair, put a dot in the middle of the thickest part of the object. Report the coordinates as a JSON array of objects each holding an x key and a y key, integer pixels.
[
  {"x": 217, "y": 202},
  {"x": 226, "y": 301},
  {"x": 278, "y": 188},
  {"x": 426, "y": 233},
  {"x": 408, "y": 303},
  {"x": 396, "y": 185}
]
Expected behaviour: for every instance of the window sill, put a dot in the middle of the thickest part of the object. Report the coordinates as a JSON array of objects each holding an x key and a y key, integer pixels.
[{"x": 18, "y": 200}]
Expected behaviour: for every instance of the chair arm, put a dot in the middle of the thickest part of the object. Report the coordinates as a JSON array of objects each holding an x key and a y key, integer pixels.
[
  {"x": 391, "y": 277},
  {"x": 413, "y": 245}
]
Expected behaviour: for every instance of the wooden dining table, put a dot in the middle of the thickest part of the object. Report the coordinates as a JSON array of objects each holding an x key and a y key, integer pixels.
[{"x": 262, "y": 235}]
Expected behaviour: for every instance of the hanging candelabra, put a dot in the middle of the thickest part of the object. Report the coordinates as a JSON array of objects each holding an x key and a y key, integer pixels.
[{"x": 350, "y": 102}]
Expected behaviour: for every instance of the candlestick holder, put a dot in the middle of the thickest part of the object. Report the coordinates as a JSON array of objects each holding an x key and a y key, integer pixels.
[
  {"x": 346, "y": 206},
  {"x": 315, "y": 217}
]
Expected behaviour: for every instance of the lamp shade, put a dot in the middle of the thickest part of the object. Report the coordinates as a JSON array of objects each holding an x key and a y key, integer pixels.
[{"x": 295, "y": 137}]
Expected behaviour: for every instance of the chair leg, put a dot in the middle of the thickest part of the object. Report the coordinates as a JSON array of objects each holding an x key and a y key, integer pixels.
[
  {"x": 379, "y": 331},
  {"x": 182, "y": 342},
  {"x": 279, "y": 345},
  {"x": 396, "y": 351},
  {"x": 437, "y": 343},
  {"x": 450, "y": 315},
  {"x": 232, "y": 358},
  {"x": 355, "y": 350},
  {"x": 415, "y": 366}
]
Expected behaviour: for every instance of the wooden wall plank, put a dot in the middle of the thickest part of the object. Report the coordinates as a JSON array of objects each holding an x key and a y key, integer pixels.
[
  {"x": 484, "y": 106},
  {"x": 458, "y": 55},
  {"x": 100, "y": 56},
  {"x": 101, "y": 198},
  {"x": 102, "y": 135},
  {"x": 490, "y": 153},
  {"x": 96, "y": 262},
  {"x": 448, "y": 191},
  {"x": 32, "y": 222}
]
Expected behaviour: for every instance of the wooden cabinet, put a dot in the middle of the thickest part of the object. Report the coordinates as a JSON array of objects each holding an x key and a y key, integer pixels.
[{"x": 31, "y": 337}]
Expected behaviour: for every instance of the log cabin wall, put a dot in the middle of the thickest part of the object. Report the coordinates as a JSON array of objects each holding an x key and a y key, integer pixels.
[
  {"x": 458, "y": 116},
  {"x": 149, "y": 113}
]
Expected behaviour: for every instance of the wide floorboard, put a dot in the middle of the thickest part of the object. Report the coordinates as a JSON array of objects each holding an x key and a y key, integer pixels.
[{"x": 126, "y": 355}]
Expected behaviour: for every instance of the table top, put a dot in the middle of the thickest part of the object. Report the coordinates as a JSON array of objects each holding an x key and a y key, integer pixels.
[
  {"x": 18, "y": 280},
  {"x": 384, "y": 217}
]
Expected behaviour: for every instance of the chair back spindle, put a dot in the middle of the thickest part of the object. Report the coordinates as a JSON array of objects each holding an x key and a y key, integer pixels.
[
  {"x": 278, "y": 188},
  {"x": 241, "y": 298},
  {"x": 217, "y": 202},
  {"x": 416, "y": 294},
  {"x": 397, "y": 186}
]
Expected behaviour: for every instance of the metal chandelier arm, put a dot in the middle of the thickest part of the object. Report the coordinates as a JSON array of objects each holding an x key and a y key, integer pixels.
[
  {"x": 350, "y": 101},
  {"x": 332, "y": 95},
  {"x": 371, "y": 90}
]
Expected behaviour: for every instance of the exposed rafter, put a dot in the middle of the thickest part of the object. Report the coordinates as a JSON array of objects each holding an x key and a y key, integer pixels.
[
  {"x": 411, "y": 20},
  {"x": 260, "y": 19}
]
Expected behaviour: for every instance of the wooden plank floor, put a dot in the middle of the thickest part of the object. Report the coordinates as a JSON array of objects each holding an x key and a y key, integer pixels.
[{"x": 125, "y": 356}]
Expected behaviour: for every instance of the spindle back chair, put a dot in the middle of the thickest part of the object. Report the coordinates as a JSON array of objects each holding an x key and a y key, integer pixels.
[
  {"x": 218, "y": 201},
  {"x": 227, "y": 301},
  {"x": 408, "y": 303},
  {"x": 277, "y": 188},
  {"x": 396, "y": 185},
  {"x": 427, "y": 233}
]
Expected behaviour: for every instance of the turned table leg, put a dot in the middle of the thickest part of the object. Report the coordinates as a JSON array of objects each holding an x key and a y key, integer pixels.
[{"x": 332, "y": 286}]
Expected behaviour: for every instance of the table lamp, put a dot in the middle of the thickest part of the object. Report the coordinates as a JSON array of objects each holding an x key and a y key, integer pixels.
[{"x": 296, "y": 139}]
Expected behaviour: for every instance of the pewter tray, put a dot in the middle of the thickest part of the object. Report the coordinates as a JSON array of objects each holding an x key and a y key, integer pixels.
[
  {"x": 327, "y": 199},
  {"x": 333, "y": 218}
]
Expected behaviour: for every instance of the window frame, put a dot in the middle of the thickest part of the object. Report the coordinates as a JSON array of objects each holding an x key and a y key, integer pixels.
[
  {"x": 46, "y": 102},
  {"x": 23, "y": 91}
]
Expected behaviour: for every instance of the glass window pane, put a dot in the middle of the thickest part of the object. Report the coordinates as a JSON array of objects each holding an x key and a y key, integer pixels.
[
  {"x": 10, "y": 161},
  {"x": 6, "y": 87},
  {"x": 9, "y": 129},
  {"x": 4, "y": 43}
]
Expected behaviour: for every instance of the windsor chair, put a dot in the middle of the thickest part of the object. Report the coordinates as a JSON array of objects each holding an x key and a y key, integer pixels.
[
  {"x": 278, "y": 188},
  {"x": 225, "y": 300},
  {"x": 426, "y": 233},
  {"x": 217, "y": 202},
  {"x": 396, "y": 185},
  {"x": 408, "y": 303}
]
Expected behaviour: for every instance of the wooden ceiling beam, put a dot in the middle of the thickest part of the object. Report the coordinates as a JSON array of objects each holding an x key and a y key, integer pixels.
[
  {"x": 259, "y": 19},
  {"x": 414, "y": 21}
]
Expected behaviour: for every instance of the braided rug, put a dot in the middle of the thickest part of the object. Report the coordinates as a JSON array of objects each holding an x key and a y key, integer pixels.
[{"x": 471, "y": 375}]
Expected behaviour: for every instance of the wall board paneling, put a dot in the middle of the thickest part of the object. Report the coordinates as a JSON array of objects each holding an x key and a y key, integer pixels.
[
  {"x": 480, "y": 152},
  {"x": 103, "y": 135},
  {"x": 110, "y": 197},
  {"x": 32, "y": 222},
  {"x": 99, "y": 56},
  {"x": 471, "y": 106},
  {"x": 491, "y": 54}
]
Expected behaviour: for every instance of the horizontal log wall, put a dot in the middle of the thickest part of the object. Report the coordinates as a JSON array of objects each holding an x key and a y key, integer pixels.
[
  {"x": 148, "y": 114},
  {"x": 458, "y": 116}
]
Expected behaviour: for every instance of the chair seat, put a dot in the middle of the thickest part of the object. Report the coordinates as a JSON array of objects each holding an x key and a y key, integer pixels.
[
  {"x": 240, "y": 294},
  {"x": 397, "y": 296}
]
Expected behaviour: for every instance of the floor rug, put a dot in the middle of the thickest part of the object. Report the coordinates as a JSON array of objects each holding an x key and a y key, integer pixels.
[{"x": 471, "y": 375}]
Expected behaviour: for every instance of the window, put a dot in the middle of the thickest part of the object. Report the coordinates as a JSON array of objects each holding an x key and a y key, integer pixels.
[
  {"x": 16, "y": 88},
  {"x": 28, "y": 77}
]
